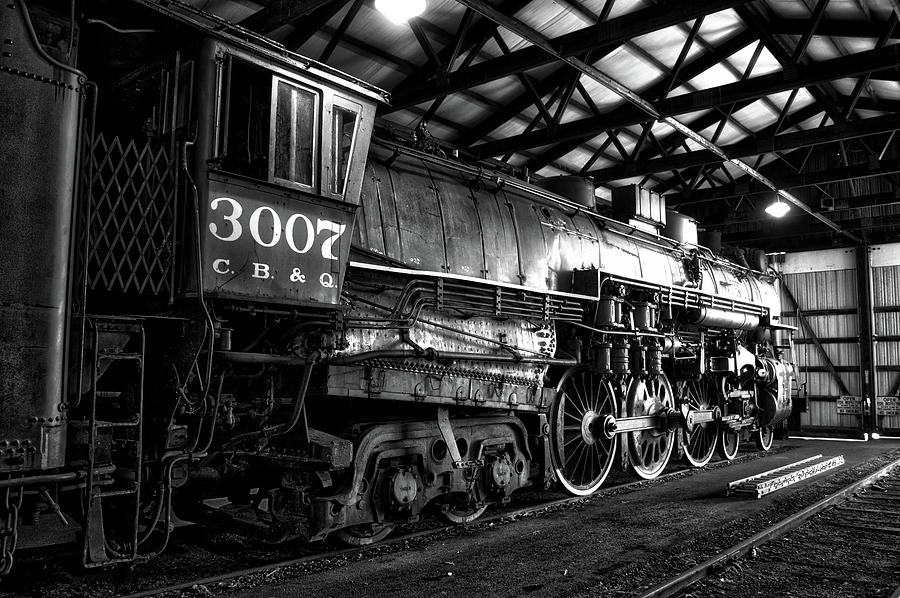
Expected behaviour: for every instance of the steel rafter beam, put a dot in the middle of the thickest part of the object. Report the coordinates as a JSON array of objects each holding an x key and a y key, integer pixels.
[
  {"x": 753, "y": 147},
  {"x": 609, "y": 33},
  {"x": 280, "y": 12},
  {"x": 539, "y": 41},
  {"x": 660, "y": 90},
  {"x": 751, "y": 89},
  {"x": 846, "y": 211},
  {"x": 310, "y": 25},
  {"x": 829, "y": 28},
  {"x": 751, "y": 17},
  {"x": 341, "y": 31},
  {"x": 474, "y": 38},
  {"x": 867, "y": 169}
]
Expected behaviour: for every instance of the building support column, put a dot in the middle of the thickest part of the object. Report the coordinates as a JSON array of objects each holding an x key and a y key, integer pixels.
[{"x": 867, "y": 339}]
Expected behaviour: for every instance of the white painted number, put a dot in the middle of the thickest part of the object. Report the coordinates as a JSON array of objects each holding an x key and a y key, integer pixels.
[
  {"x": 254, "y": 226},
  {"x": 328, "y": 244},
  {"x": 289, "y": 233},
  {"x": 307, "y": 233},
  {"x": 236, "y": 211}
]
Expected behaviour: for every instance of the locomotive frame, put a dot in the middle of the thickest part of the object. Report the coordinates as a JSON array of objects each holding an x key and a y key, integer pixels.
[{"x": 249, "y": 323}]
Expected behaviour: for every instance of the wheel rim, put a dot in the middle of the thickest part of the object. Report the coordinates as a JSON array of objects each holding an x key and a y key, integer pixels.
[
  {"x": 764, "y": 437},
  {"x": 364, "y": 534},
  {"x": 729, "y": 442},
  {"x": 649, "y": 450},
  {"x": 699, "y": 443},
  {"x": 461, "y": 511},
  {"x": 581, "y": 453}
]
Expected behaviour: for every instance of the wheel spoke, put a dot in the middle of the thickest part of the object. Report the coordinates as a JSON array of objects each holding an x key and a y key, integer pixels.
[
  {"x": 580, "y": 465},
  {"x": 649, "y": 450}
]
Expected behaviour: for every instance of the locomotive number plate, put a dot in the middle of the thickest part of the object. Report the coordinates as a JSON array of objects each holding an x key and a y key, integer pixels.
[
  {"x": 888, "y": 405},
  {"x": 847, "y": 405},
  {"x": 273, "y": 246}
]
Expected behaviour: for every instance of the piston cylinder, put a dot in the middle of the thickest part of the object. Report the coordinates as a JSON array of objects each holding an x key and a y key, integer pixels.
[
  {"x": 654, "y": 359},
  {"x": 602, "y": 358},
  {"x": 637, "y": 355},
  {"x": 619, "y": 358},
  {"x": 643, "y": 314},
  {"x": 609, "y": 311}
]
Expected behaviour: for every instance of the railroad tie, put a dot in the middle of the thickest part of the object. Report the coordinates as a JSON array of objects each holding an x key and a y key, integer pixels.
[{"x": 775, "y": 479}]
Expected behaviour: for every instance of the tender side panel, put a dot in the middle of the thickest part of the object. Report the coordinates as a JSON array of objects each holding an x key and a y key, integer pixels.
[{"x": 39, "y": 101}]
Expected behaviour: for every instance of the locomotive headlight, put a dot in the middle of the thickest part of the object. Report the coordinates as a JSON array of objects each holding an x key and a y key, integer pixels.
[
  {"x": 778, "y": 208},
  {"x": 400, "y": 11}
]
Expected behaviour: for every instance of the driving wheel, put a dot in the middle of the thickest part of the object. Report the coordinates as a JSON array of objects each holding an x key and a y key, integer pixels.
[
  {"x": 580, "y": 450},
  {"x": 699, "y": 441},
  {"x": 649, "y": 450}
]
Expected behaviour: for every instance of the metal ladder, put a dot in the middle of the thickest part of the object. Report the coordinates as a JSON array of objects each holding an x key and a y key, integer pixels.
[
  {"x": 775, "y": 479},
  {"x": 110, "y": 337}
]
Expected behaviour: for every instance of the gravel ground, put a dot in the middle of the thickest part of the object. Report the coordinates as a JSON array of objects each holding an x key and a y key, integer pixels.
[
  {"x": 614, "y": 544},
  {"x": 829, "y": 555}
]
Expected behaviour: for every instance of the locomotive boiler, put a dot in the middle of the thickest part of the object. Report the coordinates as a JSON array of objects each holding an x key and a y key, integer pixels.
[{"x": 224, "y": 300}]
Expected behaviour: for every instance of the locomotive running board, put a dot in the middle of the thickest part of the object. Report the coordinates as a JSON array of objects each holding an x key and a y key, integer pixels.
[{"x": 780, "y": 477}]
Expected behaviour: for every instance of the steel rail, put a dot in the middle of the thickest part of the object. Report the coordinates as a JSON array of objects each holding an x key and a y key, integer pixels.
[
  {"x": 675, "y": 584},
  {"x": 419, "y": 534},
  {"x": 534, "y": 37}
]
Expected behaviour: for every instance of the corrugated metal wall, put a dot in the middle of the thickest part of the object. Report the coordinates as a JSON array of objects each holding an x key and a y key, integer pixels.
[
  {"x": 824, "y": 286},
  {"x": 886, "y": 291},
  {"x": 823, "y": 283}
]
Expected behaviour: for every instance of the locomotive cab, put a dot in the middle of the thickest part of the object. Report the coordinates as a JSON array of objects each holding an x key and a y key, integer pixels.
[{"x": 278, "y": 166}]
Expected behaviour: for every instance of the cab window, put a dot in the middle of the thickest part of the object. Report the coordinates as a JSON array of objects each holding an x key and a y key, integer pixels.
[
  {"x": 293, "y": 140},
  {"x": 285, "y": 131},
  {"x": 344, "y": 131}
]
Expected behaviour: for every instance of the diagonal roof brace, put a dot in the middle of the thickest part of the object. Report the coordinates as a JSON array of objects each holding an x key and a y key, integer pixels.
[{"x": 534, "y": 37}]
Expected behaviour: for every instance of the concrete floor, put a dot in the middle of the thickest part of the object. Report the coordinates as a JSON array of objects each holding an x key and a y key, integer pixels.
[{"x": 571, "y": 551}]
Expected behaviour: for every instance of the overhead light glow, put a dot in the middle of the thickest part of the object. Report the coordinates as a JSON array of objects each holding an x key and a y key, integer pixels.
[
  {"x": 778, "y": 208},
  {"x": 400, "y": 11},
  {"x": 875, "y": 435}
]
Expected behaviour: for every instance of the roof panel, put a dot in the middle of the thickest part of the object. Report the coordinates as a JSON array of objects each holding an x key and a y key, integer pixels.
[
  {"x": 665, "y": 45},
  {"x": 620, "y": 7},
  {"x": 631, "y": 69},
  {"x": 765, "y": 63},
  {"x": 550, "y": 19},
  {"x": 718, "y": 75},
  {"x": 720, "y": 26}
]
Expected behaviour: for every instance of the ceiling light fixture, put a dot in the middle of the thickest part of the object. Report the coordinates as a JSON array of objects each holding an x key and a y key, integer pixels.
[
  {"x": 778, "y": 208},
  {"x": 400, "y": 11}
]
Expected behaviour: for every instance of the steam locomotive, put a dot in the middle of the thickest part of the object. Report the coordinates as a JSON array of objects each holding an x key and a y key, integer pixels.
[{"x": 224, "y": 301}]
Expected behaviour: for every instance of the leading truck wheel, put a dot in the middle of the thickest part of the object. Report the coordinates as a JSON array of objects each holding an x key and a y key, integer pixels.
[
  {"x": 459, "y": 510},
  {"x": 365, "y": 533},
  {"x": 764, "y": 437},
  {"x": 580, "y": 450},
  {"x": 649, "y": 450},
  {"x": 729, "y": 442}
]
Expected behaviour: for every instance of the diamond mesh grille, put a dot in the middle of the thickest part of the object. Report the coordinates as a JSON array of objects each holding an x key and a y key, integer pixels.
[{"x": 131, "y": 217}]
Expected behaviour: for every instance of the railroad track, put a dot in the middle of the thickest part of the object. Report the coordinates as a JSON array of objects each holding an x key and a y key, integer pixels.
[
  {"x": 402, "y": 538},
  {"x": 846, "y": 544}
]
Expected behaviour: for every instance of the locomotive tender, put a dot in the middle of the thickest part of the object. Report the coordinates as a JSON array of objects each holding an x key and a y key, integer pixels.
[{"x": 219, "y": 302}]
